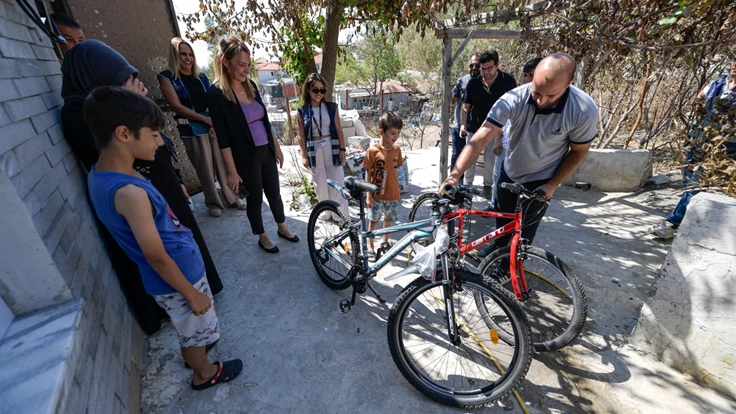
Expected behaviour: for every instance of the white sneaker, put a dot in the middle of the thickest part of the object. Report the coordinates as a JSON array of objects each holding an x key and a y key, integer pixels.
[
  {"x": 665, "y": 230},
  {"x": 326, "y": 216}
]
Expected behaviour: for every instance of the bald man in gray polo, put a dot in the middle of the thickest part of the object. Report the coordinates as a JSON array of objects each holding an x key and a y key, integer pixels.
[{"x": 552, "y": 127}]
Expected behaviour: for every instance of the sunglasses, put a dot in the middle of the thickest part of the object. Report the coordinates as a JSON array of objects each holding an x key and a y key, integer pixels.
[
  {"x": 185, "y": 54},
  {"x": 319, "y": 91},
  {"x": 472, "y": 66}
]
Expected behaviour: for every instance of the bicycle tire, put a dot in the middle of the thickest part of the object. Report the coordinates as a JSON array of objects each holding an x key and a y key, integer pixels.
[
  {"x": 416, "y": 208},
  {"x": 318, "y": 230},
  {"x": 516, "y": 357},
  {"x": 557, "y": 306}
]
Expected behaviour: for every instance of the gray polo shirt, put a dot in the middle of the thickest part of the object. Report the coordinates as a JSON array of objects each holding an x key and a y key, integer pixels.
[{"x": 539, "y": 140}]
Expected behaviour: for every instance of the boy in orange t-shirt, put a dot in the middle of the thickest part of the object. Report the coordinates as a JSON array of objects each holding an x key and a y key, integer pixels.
[{"x": 381, "y": 163}]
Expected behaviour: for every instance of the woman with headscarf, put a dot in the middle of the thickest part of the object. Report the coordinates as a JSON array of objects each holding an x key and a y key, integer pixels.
[{"x": 86, "y": 66}]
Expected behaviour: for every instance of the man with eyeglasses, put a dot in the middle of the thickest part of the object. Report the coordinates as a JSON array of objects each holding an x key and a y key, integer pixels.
[
  {"x": 458, "y": 93},
  {"x": 553, "y": 124},
  {"x": 480, "y": 95}
]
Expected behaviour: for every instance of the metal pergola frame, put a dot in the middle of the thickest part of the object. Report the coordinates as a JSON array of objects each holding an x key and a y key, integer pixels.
[{"x": 453, "y": 29}]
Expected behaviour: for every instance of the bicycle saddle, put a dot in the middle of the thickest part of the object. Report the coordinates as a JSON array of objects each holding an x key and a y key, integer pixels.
[{"x": 354, "y": 184}]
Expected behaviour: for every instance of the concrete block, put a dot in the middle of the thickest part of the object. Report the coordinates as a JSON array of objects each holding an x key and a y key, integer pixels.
[
  {"x": 4, "y": 120},
  {"x": 70, "y": 162},
  {"x": 49, "y": 183},
  {"x": 71, "y": 185},
  {"x": 56, "y": 133},
  {"x": 13, "y": 134},
  {"x": 15, "y": 49},
  {"x": 7, "y": 90},
  {"x": 58, "y": 226},
  {"x": 689, "y": 321},
  {"x": 32, "y": 148},
  {"x": 9, "y": 68},
  {"x": 69, "y": 235},
  {"x": 56, "y": 153},
  {"x": 52, "y": 99},
  {"x": 30, "y": 176},
  {"x": 24, "y": 108},
  {"x": 44, "y": 52},
  {"x": 12, "y": 12},
  {"x": 54, "y": 82},
  {"x": 15, "y": 31},
  {"x": 360, "y": 142},
  {"x": 32, "y": 86},
  {"x": 9, "y": 163},
  {"x": 614, "y": 170},
  {"x": 72, "y": 259},
  {"x": 45, "y": 217}
]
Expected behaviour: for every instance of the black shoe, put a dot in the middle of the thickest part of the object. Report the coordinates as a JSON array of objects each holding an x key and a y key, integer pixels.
[
  {"x": 274, "y": 249},
  {"x": 293, "y": 239}
]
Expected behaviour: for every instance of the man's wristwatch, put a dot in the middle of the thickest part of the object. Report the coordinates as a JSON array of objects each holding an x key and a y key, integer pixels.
[{"x": 342, "y": 149}]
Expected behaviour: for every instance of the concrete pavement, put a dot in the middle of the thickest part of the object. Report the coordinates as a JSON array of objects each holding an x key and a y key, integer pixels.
[{"x": 302, "y": 355}]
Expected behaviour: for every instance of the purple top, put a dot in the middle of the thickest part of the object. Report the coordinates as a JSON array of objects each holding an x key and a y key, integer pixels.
[{"x": 254, "y": 114}]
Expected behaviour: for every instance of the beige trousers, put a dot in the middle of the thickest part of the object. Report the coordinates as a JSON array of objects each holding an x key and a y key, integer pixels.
[
  {"x": 324, "y": 170},
  {"x": 205, "y": 155}
]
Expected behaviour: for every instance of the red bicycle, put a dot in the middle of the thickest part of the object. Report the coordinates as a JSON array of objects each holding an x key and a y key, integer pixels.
[{"x": 550, "y": 292}]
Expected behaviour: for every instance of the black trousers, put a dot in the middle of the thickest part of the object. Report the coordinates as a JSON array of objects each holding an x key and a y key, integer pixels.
[
  {"x": 262, "y": 176},
  {"x": 534, "y": 211}
]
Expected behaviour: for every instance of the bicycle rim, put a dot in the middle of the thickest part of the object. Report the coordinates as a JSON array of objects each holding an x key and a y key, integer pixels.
[
  {"x": 330, "y": 246},
  {"x": 556, "y": 308},
  {"x": 478, "y": 370}
]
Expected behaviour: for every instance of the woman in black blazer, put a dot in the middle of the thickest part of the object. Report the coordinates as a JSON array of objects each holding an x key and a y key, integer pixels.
[{"x": 246, "y": 139}]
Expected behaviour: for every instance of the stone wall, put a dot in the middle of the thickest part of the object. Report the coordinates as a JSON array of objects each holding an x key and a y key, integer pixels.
[
  {"x": 104, "y": 365},
  {"x": 688, "y": 321}
]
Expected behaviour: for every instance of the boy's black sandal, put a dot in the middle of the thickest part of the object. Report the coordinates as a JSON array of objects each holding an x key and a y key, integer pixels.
[{"x": 226, "y": 371}]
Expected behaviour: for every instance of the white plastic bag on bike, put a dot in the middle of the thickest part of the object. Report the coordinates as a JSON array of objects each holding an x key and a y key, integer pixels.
[{"x": 425, "y": 258}]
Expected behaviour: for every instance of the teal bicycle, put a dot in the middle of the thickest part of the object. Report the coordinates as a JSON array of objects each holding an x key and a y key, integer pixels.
[{"x": 437, "y": 333}]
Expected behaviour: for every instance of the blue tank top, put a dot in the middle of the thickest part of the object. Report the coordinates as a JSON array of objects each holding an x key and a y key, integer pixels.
[{"x": 177, "y": 239}]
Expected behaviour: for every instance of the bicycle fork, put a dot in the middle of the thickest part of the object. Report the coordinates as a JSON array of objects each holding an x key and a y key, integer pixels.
[{"x": 448, "y": 287}]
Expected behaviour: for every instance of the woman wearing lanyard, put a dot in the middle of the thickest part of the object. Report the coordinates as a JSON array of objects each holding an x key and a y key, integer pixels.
[
  {"x": 184, "y": 89},
  {"x": 246, "y": 140},
  {"x": 321, "y": 139}
]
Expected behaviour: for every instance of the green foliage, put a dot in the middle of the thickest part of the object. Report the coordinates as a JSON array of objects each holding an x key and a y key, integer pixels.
[
  {"x": 294, "y": 56},
  {"x": 372, "y": 60}
]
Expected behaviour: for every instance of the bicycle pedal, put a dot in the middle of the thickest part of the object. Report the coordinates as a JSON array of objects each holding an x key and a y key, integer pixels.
[{"x": 345, "y": 306}]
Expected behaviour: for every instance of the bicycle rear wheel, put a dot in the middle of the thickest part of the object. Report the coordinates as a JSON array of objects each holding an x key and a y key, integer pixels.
[
  {"x": 474, "y": 372},
  {"x": 556, "y": 308},
  {"x": 331, "y": 244}
]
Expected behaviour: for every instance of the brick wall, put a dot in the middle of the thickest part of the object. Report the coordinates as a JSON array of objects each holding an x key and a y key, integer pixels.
[{"x": 107, "y": 358}]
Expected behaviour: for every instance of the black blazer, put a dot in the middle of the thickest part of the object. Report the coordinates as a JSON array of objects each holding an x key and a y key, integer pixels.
[{"x": 232, "y": 128}]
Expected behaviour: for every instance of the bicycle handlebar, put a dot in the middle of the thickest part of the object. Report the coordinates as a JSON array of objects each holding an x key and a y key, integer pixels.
[
  {"x": 344, "y": 192},
  {"x": 537, "y": 194}
]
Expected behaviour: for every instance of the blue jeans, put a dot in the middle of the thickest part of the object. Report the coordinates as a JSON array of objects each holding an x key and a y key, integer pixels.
[
  {"x": 457, "y": 146},
  {"x": 678, "y": 213},
  {"x": 497, "y": 174}
]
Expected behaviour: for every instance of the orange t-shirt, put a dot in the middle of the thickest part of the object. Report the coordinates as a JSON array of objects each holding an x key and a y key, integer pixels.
[{"x": 382, "y": 170}]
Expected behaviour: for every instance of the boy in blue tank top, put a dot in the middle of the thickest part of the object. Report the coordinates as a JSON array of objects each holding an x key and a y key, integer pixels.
[{"x": 125, "y": 126}]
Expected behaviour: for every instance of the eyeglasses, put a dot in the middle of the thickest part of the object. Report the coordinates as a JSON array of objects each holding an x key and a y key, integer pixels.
[
  {"x": 473, "y": 66},
  {"x": 319, "y": 91}
]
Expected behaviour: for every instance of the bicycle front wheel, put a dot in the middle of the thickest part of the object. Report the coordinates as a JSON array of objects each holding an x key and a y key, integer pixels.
[
  {"x": 331, "y": 244},
  {"x": 474, "y": 371},
  {"x": 556, "y": 308},
  {"x": 422, "y": 208}
]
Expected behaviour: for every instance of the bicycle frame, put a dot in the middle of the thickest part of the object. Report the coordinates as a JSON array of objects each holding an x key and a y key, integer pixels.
[{"x": 518, "y": 279}]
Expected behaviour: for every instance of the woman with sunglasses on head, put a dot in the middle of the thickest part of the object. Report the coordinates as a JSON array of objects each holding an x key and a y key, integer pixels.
[
  {"x": 246, "y": 139},
  {"x": 184, "y": 89},
  {"x": 321, "y": 139}
]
